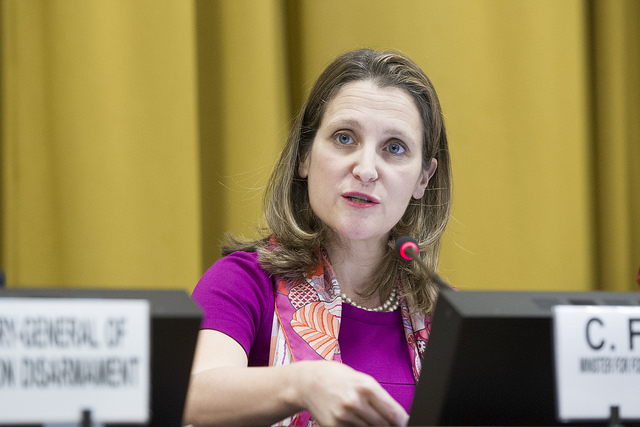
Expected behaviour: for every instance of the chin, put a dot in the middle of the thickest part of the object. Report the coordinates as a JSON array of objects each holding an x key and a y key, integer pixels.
[{"x": 357, "y": 232}]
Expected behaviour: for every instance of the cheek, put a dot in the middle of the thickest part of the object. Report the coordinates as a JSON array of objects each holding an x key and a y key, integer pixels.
[
  {"x": 323, "y": 168},
  {"x": 403, "y": 204},
  {"x": 405, "y": 193},
  {"x": 317, "y": 186}
]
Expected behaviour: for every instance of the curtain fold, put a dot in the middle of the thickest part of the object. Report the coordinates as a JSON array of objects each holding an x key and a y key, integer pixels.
[
  {"x": 244, "y": 112},
  {"x": 99, "y": 143},
  {"x": 136, "y": 132},
  {"x": 616, "y": 118}
]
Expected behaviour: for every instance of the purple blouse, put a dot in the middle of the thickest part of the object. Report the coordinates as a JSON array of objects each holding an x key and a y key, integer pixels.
[{"x": 237, "y": 298}]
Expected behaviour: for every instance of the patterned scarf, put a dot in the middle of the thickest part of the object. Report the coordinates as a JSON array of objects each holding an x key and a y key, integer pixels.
[{"x": 306, "y": 324}]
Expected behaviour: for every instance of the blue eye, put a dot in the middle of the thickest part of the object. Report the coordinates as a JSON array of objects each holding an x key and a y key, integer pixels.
[
  {"x": 344, "y": 138},
  {"x": 395, "y": 148}
]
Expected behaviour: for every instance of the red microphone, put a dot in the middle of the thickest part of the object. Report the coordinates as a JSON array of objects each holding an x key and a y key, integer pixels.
[{"x": 408, "y": 249}]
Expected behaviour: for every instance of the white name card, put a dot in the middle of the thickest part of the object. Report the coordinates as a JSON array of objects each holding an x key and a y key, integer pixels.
[
  {"x": 59, "y": 357},
  {"x": 597, "y": 356}
]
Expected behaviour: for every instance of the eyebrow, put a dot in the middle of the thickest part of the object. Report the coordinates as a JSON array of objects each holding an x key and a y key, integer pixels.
[{"x": 345, "y": 122}]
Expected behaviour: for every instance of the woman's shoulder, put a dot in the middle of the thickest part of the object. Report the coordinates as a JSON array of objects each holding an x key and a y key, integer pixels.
[
  {"x": 246, "y": 258},
  {"x": 238, "y": 265},
  {"x": 237, "y": 299},
  {"x": 235, "y": 281}
]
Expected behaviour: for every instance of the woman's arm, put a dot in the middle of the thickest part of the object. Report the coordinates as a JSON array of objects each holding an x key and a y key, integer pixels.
[{"x": 224, "y": 391}]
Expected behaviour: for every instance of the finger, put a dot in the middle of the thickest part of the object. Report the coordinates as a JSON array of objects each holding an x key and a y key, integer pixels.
[
  {"x": 352, "y": 419},
  {"x": 355, "y": 408},
  {"x": 358, "y": 412},
  {"x": 373, "y": 417},
  {"x": 390, "y": 411},
  {"x": 366, "y": 409}
]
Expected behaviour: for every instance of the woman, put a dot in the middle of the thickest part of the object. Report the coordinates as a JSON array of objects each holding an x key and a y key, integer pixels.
[{"x": 366, "y": 162}]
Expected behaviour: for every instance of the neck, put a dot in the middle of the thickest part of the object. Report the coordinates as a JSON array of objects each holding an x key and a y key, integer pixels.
[{"x": 354, "y": 263}]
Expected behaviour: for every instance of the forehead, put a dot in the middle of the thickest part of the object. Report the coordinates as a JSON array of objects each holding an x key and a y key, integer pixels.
[{"x": 386, "y": 107}]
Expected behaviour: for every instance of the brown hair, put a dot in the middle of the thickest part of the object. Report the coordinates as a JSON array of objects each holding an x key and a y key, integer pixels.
[{"x": 287, "y": 212}]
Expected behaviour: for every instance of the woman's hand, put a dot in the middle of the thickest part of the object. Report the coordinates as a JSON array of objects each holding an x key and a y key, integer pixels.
[
  {"x": 337, "y": 395},
  {"x": 224, "y": 391}
]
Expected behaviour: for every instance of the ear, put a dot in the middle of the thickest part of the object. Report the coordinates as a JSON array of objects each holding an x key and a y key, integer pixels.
[
  {"x": 425, "y": 177},
  {"x": 303, "y": 167}
]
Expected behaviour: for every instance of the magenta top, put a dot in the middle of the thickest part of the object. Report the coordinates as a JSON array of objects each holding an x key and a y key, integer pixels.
[{"x": 237, "y": 298}]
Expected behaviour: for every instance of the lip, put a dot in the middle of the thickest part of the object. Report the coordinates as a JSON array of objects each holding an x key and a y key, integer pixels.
[{"x": 372, "y": 201}]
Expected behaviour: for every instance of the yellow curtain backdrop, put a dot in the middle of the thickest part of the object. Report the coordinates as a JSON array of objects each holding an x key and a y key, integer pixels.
[
  {"x": 511, "y": 77},
  {"x": 99, "y": 144},
  {"x": 135, "y": 132},
  {"x": 243, "y": 114},
  {"x": 616, "y": 126}
]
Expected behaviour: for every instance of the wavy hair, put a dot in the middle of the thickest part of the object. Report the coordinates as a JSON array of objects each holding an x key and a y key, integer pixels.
[{"x": 300, "y": 235}]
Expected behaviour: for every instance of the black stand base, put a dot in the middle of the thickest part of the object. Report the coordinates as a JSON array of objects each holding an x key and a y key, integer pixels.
[{"x": 614, "y": 417}]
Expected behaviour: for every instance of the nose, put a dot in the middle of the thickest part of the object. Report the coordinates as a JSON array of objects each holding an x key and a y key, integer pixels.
[{"x": 365, "y": 166}]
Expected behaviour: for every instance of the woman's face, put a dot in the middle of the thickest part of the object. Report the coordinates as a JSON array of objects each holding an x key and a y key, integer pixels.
[{"x": 365, "y": 162}]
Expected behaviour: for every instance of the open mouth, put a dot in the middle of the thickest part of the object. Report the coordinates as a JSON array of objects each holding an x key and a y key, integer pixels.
[{"x": 359, "y": 198}]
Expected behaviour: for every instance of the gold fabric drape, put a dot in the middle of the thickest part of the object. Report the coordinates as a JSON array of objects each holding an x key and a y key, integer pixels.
[
  {"x": 100, "y": 148},
  {"x": 135, "y": 132},
  {"x": 616, "y": 127}
]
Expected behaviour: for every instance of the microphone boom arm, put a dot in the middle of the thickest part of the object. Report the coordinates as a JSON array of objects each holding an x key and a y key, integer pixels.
[{"x": 407, "y": 248}]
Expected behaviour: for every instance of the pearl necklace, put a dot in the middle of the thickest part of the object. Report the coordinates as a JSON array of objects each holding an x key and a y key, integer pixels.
[{"x": 391, "y": 304}]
